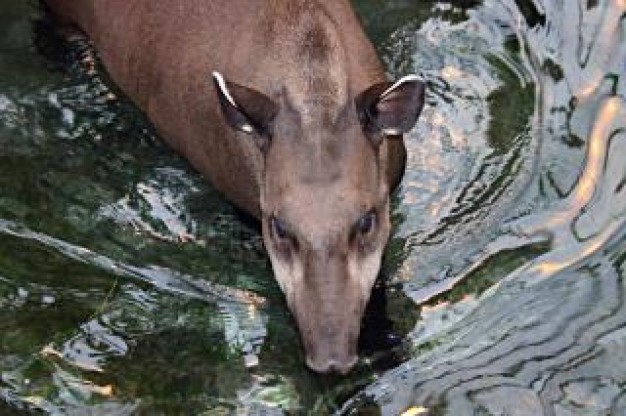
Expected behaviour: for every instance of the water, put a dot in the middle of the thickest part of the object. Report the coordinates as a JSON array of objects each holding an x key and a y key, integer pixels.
[{"x": 128, "y": 286}]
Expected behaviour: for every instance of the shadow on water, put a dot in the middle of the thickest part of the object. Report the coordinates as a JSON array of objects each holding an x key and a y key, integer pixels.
[{"x": 127, "y": 285}]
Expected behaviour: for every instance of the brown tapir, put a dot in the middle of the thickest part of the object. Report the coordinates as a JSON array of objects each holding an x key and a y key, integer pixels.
[{"x": 284, "y": 106}]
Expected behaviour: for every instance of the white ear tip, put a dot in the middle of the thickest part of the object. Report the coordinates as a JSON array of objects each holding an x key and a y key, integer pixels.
[
  {"x": 222, "y": 84},
  {"x": 403, "y": 80},
  {"x": 217, "y": 76},
  {"x": 411, "y": 77}
]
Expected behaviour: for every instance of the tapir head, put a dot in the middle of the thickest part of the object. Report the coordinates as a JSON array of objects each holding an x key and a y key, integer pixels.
[{"x": 324, "y": 200}]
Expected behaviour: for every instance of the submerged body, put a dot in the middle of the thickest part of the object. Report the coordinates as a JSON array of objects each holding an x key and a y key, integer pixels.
[{"x": 292, "y": 147}]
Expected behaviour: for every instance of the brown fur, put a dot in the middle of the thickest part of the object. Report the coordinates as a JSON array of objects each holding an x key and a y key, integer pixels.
[
  {"x": 161, "y": 54},
  {"x": 321, "y": 173}
]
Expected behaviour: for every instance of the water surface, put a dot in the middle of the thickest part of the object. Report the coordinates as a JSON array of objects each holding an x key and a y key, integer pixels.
[{"x": 128, "y": 286}]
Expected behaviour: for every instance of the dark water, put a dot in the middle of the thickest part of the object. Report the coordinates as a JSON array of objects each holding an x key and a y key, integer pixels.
[{"x": 127, "y": 286}]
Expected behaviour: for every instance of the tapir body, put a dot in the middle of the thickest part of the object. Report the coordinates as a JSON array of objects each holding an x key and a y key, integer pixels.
[{"x": 293, "y": 127}]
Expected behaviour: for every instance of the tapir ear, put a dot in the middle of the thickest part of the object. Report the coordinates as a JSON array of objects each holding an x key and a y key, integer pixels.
[
  {"x": 391, "y": 109},
  {"x": 246, "y": 109}
]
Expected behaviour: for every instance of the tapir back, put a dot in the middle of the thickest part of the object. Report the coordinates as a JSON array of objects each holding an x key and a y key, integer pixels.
[{"x": 161, "y": 54}]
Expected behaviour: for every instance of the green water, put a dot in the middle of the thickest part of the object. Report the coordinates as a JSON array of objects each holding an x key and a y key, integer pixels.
[{"x": 128, "y": 286}]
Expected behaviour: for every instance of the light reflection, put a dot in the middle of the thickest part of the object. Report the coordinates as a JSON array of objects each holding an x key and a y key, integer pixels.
[
  {"x": 548, "y": 267},
  {"x": 49, "y": 351},
  {"x": 414, "y": 411},
  {"x": 428, "y": 309},
  {"x": 598, "y": 142},
  {"x": 36, "y": 401},
  {"x": 588, "y": 90},
  {"x": 450, "y": 73},
  {"x": 457, "y": 137},
  {"x": 592, "y": 173},
  {"x": 86, "y": 385},
  {"x": 252, "y": 311},
  {"x": 437, "y": 120},
  {"x": 567, "y": 250}
]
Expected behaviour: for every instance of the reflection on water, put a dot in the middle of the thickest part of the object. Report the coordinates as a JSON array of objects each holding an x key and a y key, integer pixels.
[
  {"x": 128, "y": 286},
  {"x": 546, "y": 337}
]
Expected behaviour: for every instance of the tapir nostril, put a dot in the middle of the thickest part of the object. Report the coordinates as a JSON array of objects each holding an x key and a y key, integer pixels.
[{"x": 331, "y": 365}]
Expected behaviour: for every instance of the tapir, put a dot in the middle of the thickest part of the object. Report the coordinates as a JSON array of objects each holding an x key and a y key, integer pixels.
[{"x": 284, "y": 106}]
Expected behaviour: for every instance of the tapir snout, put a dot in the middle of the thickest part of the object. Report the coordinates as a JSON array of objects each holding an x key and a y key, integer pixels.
[{"x": 328, "y": 307}]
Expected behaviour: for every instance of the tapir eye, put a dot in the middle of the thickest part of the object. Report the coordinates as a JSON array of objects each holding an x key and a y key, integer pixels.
[
  {"x": 279, "y": 229},
  {"x": 366, "y": 224}
]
